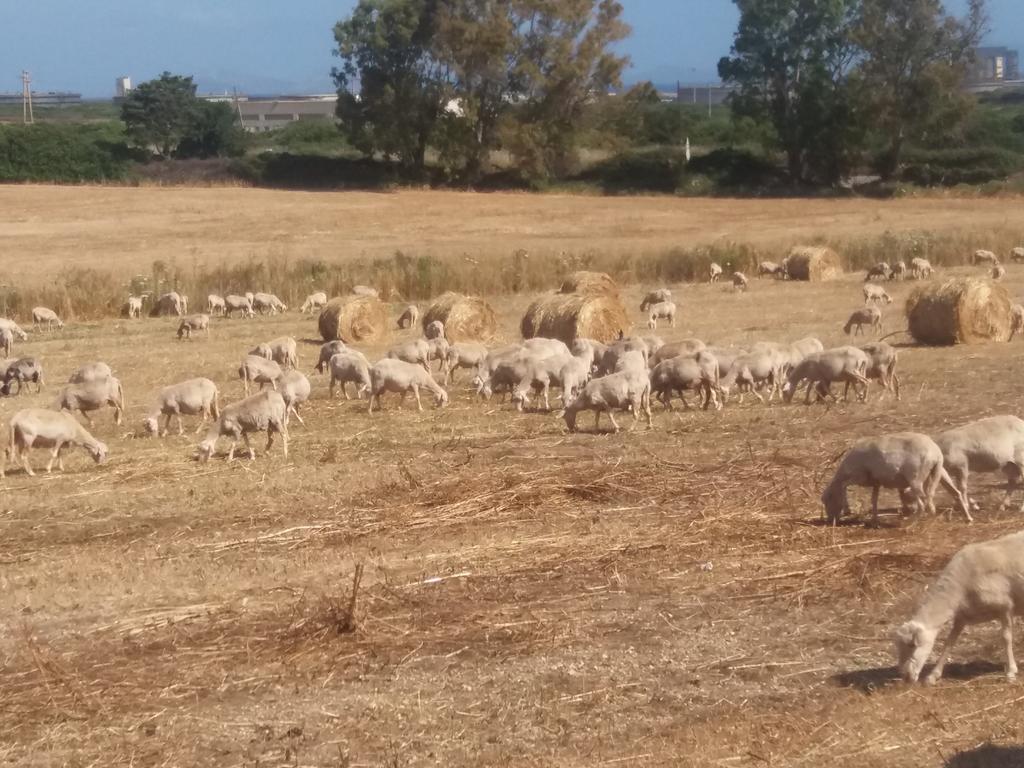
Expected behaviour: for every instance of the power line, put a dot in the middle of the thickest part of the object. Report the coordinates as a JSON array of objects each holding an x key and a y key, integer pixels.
[{"x": 26, "y": 98}]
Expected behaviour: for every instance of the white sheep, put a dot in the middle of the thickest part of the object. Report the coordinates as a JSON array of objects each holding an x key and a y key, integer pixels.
[
  {"x": 259, "y": 370},
  {"x": 619, "y": 349},
  {"x": 907, "y": 462},
  {"x": 282, "y": 350},
  {"x": 43, "y": 316},
  {"x": 295, "y": 389},
  {"x": 881, "y": 269},
  {"x": 739, "y": 281},
  {"x": 267, "y": 303},
  {"x": 541, "y": 372},
  {"x": 95, "y": 371},
  {"x": 347, "y": 366},
  {"x": 463, "y": 354},
  {"x": 262, "y": 412},
  {"x": 327, "y": 351},
  {"x": 899, "y": 271},
  {"x": 665, "y": 310},
  {"x": 629, "y": 389},
  {"x": 38, "y": 427},
  {"x": 168, "y": 304},
  {"x": 22, "y": 371},
  {"x": 410, "y": 317},
  {"x": 982, "y": 582},
  {"x": 655, "y": 297},
  {"x": 769, "y": 268},
  {"x": 194, "y": 397},
  {"x": 133, "y": 307},
  {"x": 683, "y": 348},
  {"x": 869, "y": 316},
  {"x": 875, "y": 293},
  {"x": 1017, "y": 254},
  {"x": 820, "y": 370},
  {"x": 920, "y": 268},
  {"x": 215, "y": 305},
  {"x": 14, "y": 328},
  {"x": 6, "y": 341},
  {"x": 714, "y": 272},
  {"x": 243, "y": 304},
  {"x": 391, "y": 375},
  {"x": 754, "y": 370},
  {"x": 678, "y": 374},
  {"x": 589, "y": 351},
  {"x": 417, "y": 352},
  {"x": 993, "y": 444},
  {"x": 433, "y": 330},
  {"x": 882, "y": 360},
  {"x": 193, "y": 324},
  {"x": 91, "y": 396},
  {"x": 982, "y": 256},
  {"x": 365, "y": 290},
  {"x": 998, "y": 272},
  {"x": 313, "y": 302},
  {"x": 1016, "y": 320}
]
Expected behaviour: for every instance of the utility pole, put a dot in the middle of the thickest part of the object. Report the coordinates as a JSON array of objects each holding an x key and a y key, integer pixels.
[{"x": 26, "y": 98}]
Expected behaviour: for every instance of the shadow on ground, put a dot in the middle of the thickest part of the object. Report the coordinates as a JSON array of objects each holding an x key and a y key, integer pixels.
[{"x": 988, "y": 756}]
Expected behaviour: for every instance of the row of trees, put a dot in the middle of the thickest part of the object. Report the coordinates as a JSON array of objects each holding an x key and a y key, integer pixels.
[
  {"x": 468, "y": 77},
  {"x": 838, "y": 78}
]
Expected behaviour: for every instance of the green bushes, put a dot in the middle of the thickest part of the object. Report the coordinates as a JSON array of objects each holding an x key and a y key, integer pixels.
[
  {"x": 949, "y": 167},
  {"x": 63, "y": 153}
]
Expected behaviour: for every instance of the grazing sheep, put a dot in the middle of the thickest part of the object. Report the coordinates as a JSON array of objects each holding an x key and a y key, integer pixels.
[
  {"x": 262, "y": 412},
  {"x": 540, "y": 372},
  {"x": 267, "y": 303},
  {"x": 875, "y": 293},
  {"x": 193, "y": 324},
  {"x": 168, "y": 304},
  {"x": 463, "y": 354},
  {"x": 870, "y": 316},
  {"x": 90, "y": 372},
  {"x": 629, "y": 389},
  {"x": 327, "y": 351},
  {"x": 314, "y": 302},
  {"x": 1017, "y": 254},
  {"x": 133, "y": 307},
  {"x": 820, "y": 370},
  {"x": 544, "y": 346},
  {"x": 1016, "y": 320},
  {"x": 434, "y": 330},
  {"x": 881, "y": 269},
  {"x": 798, "y": 350},
  {"x": 409, "y": 317},
  {"x": 998, "y": 272},
  {"x": 215, "y": 305},
  {"x": 505, "y": 370},
  {"x": 350, "y": 366},
  {"x": 882, "y": 360},
  {"x": 726, "y": 357},
  {"x": 609, "y": 362},
  {"x": 241, "y": 304},
  {"x": 259, "y": 370},
  {"x": 14, "y": 328},
  {"x": 908, "y": 462},
  {"x": 484, "y": 379},
  {"x": 714, "y": 272},
  {"x": 993, "y": 444},
  {"x": 417, "y": 352},
  {"x": 899, "y": 271},
  {"x": 589, "y": 351},
  {"x": 678, "y": 374},
  {"x": 91, "y": 396},
  {"x": 769, "y": 268},
  {"x": 920, "y": 268},
  {"x": 684, "y": 348},
  {"x": 391, "y": 375},
  {"x": 283, "y": 350},
  {"x": 38, "y": 427},
  {"x": 365, "y": 290},
  {"x": 655, "y": 297},
  {"x": 195, "y": 397},
  {"x": 982, "y": 256},
  {"x": 739, "y": 281},
  {"x": 755, "y": 370},
  {"x": 665, "y": 310},
  {"x": 6, "y": 341},
  {"x": 295, "y": 390},
  {"x": 45, "y": 316},
  {"x": 27, "y": 369},
  {"x": 982, "y": 582}
]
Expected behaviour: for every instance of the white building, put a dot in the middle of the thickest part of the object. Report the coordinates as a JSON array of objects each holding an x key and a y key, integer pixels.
[{"x": 122, "y": 87}]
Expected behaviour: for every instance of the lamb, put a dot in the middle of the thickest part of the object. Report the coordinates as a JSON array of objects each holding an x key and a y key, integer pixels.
[
  {"x": 194, "y": 397},
  {"x": 684, "y": 348},
  {"x": 133, "y": 307},
  {"x": 739, "y": 281},
  {"x": 617, "y": 391},
  {"x": 38, "y": 427},
  {"x": 993, "y": 444},
  {"x": 982, "y": 582},
  {"x": 869, "y": 316},
  {"x": 350, "y": 366},
  {"x": 21, "y": 371},
  {"x": 899, "y": 271},
  {"x": 463, "y": 354},
  {"x": 259, "y": 370},
  {"x": 193, "y": 324},
  {"x": 90, "y": 372},
  {"x": 1016, "y": 320},
  {"x": 434, "y": 330},
  {"x": 820, "y": 370},
  {"x": 313, "y": 302},
  {"x": 295, "y": 390},
  {"x": 699, "y": 374},
  {"x": 1017, "y": 254},
  {"x": 875, "y": 293},
  {"x": 409, "y": 317},
  {"x": 882, "y": 360},
  {"x": 998, "y": 272},
  {"x": 769, "y": 268},
  {"x": 327, "y": 351},
  {"x": 390, "y": 375},
  {"x": 714, "y": 272},
  {"x": 233, "y": 303},
  {"x": 982, "y": 256},
  {"x": 908, "y": 462},
  {"x": 267, "y": 303},
  {"x": 167, "y": 304},
  {"x": 215, "y": 305},
  {"x": 91, "y": 396},
  {"x": 920, "y": 268},
  {"x": 665, "y": 310},
  {"x": 282, "y": 350},
  {"x": 45, "y": 316},
  {"x": 14, "y": 328},
  {"x": 262, "y": 412},
  {"x": 655, "y": 297},
  {"x": 881, "y": 269}
]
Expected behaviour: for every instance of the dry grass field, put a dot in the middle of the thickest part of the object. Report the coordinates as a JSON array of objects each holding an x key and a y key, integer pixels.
[{"x": 529, "y": 597}]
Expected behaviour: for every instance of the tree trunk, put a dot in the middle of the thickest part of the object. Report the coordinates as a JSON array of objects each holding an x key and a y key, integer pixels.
[
  {"x": 795, "y": 163},
  {"x": 891, "y": 160}
]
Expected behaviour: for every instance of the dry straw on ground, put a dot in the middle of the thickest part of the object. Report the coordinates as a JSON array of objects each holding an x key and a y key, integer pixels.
[
  {"x": 354, "y": 319},
  {"x": 590, "y": 284},
  {"x": 465, "y": 318},
  {"x": 813, "y": 263},
  {"x": 571, "y": 316},
  {"x": 964, "y": 310}
]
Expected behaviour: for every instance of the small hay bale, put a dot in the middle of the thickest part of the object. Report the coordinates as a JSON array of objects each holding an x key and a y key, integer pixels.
[
  {"x": 354, "y": 319},
  {"x": 813, "y": 263},
  {"x": 590, "y": 284},
  {"x": 465, "y": 318},
  {"x": 963, "y": 310},
  {"x": 571, "y": 316}
]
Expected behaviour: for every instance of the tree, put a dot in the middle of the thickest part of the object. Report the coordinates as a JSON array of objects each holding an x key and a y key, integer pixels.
[
  {"x": 912, "y": 66},
  {"x": 158, "y": 113},
  {"x": 212, "y": 132}
]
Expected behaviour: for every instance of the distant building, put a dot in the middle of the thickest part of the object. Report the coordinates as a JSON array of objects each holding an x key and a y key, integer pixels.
[
  {"x": 703, "y": 95},
  {"x": 122, "y": 87},
  {"x": 260, "y": 114},
  {"x": 993, "y": 66}
]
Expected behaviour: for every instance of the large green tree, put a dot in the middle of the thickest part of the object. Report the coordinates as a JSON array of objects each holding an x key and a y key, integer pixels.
[{"x": 159, "y": 113}]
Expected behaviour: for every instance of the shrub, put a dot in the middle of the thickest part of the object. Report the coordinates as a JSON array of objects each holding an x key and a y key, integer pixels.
[
  {"x": 949, "y": 167},
  {"x": 63, "y": 153}
]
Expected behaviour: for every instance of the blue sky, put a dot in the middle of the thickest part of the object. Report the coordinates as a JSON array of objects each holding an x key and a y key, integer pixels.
[{"x": 270, "y": 46}]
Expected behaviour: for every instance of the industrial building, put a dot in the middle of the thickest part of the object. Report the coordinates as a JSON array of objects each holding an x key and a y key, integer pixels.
[
  {"x": 703, "y": 95},
  {"x": 994, "y": 66},
  {"x": 258, "y": 115}
]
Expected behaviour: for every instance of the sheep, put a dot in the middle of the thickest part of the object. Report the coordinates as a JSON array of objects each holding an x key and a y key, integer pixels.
[
  {"x": 283, "y": 350},
  {"x": 267, "y": 303},
  {"x": 505, "y": 371},
  {"x": 799, "y": 350},
  {"x": 754, "y": 370},
  {"x": 982, "y": 256},
  {"x": 463, "y": 354},
  {"x": 194, "y": 397},
  {"x": 908, "y": 462},
  {"x": 167, "y": 304},
  {"x": 714, "y": 272},
  {"x": 215, "y": 305},
  {"x": 295, "y": 390},
  {"x": 875, "y": 293},
  {"x": 1017, "y": 254},
  {"x": 38, "y": 427},
  {"x": 409, "y": 317},
  {"x": 313, "y": 302},
  {"x": 193, "y": 324},
  {"x": 899, "y": 271},
  {"x": 417, "y": 352},
  {"x": 618, "y": 391},
  {"x": 243, "y": 304},
  {"x": 264, "y": 411},
  {"x": 615, "y": 351},
  {"x": 882, "y": 360},
  {"x": 920, "y": 268},
  {"x": 982, "y": 582},
  {"x": 543, "y": 346},
  {"x": 725, "y": 356},
  {"x": 655, "y": 297},
  {"x": 484, "y": 380},
  {"x": 543, "y": 371},
  {"x": 846, "y": 364},
  {"x": 739, "y": 281},
  {"x": 6, "y": 341},
  {"x": 45, "y": 316},
  {"x": 249, "y": 296},
  {"x": 1016, "y": 320},
  {"x": 665, "y": 310},
  {"x": 992, "y": 444},
  {"x": 390, "y": 375},
  {"x": 881, "y": 269},
  {"x": 365, "y": 290},
  {"x": 21, "y": 371},
  {"x": 684, "y": 348},
  {"x": 589, "y": 351},
  {"x": 349, "y": 365},
  {"x": 91, "y": 396},
  {"x": 633, "y": 360},
  {"x": 133, "y": 307},
  {"x": 88, "y": 372},
  {"x": 434, "y": 330},
  {"x": 327, "y": 351},
  {"x": 998, "y": 272},
  {"x": 259, "y": 370},
  {"x": 769, "y": 268},
  {"x": 184, "y": 304},
  {"x": 869, "y": 316},
  {"x": 14, "y": 328},
  {"x": 698, "y": 373}
]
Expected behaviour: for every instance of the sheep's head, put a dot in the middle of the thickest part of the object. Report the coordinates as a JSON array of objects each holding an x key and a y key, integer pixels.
[
  {"x": 98, "y": 451},
  {"x": 441, "y": 398},
  {"x": 914, "y": 643},
  {"x": 205, "y": 449},
  {"x": 151, "y": 425},
  {"x": 519, "y": 398},
  {"x": 788, "y": 390},
  {"x": 834, "y": 501}
]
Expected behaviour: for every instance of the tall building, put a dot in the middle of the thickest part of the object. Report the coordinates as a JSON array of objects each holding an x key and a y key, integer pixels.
[
  {"x": 994, "y": 65},
  {"x": 122, "y": 87}
]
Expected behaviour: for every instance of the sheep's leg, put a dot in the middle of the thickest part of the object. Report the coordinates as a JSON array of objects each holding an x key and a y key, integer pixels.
[
  {"x": 940, "y": 663},
  {"x": 24, "y": 460},
  {"x": 181, "y": 426},
  {"x": 597, "y": 420},
  {"x": 53, "y": 456},
  {"x": 615, "y": 424},
  {"x": 416, "y": 393},
  {"x": 1013, "y": 477},
  {"x": 167, "y": 425},
  {"x": 60, "y": 458},
  {"x": 248, "y": 445},
  {"x": 874, "y": 506},
  {"x": 682, "y": 396},
  {"x": 344, "y": 390},
  {"x": 1011, "y": 663},
  {"x": 295, "y": 410}
]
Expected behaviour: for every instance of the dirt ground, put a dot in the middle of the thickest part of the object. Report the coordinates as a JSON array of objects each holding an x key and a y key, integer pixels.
[{"x": 529, "y": 597}]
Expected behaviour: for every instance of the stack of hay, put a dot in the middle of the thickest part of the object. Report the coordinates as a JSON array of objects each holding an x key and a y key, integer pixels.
[
  {"x": 354, "y": 319},
  {"x": 587, "y": 306},
  {"x": 813, "y": 263},
  {"x": 465, "y": 318},
  {"x": 965, "y": 310}
]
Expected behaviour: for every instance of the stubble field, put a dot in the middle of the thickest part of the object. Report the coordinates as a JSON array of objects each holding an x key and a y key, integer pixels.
[{"x": 528, "y": 597}]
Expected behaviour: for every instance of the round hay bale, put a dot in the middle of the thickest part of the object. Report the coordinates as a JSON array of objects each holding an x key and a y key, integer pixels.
[
  {"x": 963, "y": 310},
  {"x": 590, "y": 284},
  {"x": 354, "y": 319},
  {"x": 465, "y": 318},
  {"x": 813, "y": 263},
  {"x": 571, "y": 316}
]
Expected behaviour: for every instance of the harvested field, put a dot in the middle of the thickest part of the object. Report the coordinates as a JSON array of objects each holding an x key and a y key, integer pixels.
[{"x": 527, "y": 597}]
